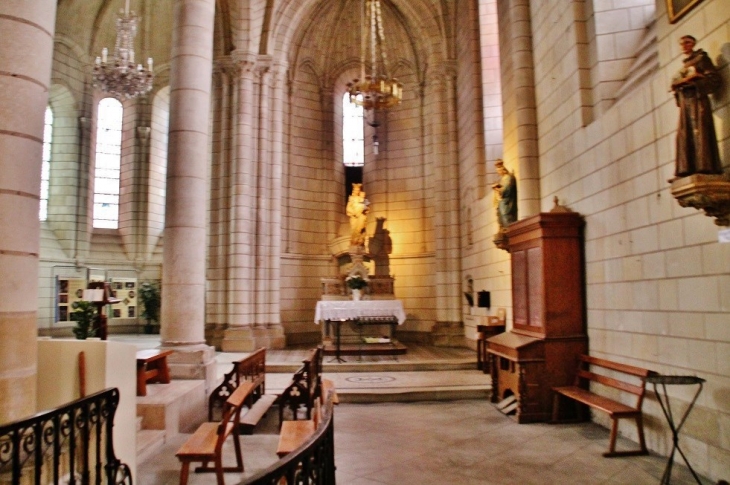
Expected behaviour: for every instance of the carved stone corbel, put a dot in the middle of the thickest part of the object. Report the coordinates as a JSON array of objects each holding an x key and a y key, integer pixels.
[{"x": 710, "y": 193}]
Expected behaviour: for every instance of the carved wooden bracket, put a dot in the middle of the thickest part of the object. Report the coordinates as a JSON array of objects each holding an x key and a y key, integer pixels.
[{"x": 710, "y": 193}]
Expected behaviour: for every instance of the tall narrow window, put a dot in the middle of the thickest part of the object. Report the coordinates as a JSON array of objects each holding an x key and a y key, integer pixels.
[
  {"x": 46, "y": 163},
  {"x": 353, "y": 133},
  {"x": 108, "y": 163}
]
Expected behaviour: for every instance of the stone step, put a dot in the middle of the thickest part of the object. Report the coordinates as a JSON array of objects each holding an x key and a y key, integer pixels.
[
  {"x": 360, "y": 387},
  {"x": 177, "y": 407},
  {"x": 149, "y": 441},
  {"x": 387, "y": 364},
  {"x": 416, "y": 394}
]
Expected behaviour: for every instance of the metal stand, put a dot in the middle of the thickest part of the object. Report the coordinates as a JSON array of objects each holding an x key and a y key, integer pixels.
[
  {"x": 663, "y": 381},
  {"x": 338, "y": 358}
]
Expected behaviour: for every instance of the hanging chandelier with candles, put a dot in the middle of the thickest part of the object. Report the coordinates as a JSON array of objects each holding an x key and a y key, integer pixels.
[
  {"x": 118, "y": 75},
  {"x": 377, "y": 90}
]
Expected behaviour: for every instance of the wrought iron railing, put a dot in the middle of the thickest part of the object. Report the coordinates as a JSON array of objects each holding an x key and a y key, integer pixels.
[
  {"x": 313, "y": 463},
  {"x": 71, "y": 445}
]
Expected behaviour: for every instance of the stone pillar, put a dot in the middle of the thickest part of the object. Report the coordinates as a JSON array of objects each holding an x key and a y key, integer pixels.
[
  {"x": 446, "y": 216},
  {"x": 255, "y": 253},
  {"x": 275, "y": 331},
  {"x": 24, "y": 84},
  {"x": 239, "y": 335},
  {"x": 225, "y": 98},
  {"x": 518, "y": 90},
  {"x": 184, "y": 254}
]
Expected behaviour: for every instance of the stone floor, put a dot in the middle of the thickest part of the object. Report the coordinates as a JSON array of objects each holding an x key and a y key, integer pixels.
[
  {"x": 440, "y": 443},
  {"x": 460, "y": 441}
]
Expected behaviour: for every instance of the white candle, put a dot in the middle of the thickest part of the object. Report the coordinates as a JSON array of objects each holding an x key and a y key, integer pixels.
[
  {"x": 104, "y": 53},
  {"x": 131, "y": 56},
  {"x": 149, "y": 63}
]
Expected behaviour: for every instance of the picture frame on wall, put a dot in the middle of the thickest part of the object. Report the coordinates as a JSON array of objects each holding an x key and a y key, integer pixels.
[{"x": 676, "y": 9}]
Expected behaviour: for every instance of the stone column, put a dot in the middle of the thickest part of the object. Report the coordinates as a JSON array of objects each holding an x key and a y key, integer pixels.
[
  {"x": 239, "y": 335},
  {"x": 183, "y": 268},
  {"x": 518, "y": 90},
  {"x": 25, "y": 75},
  {"x": 255, "y": 253},
  {"x": 275, "y": 331},
  {"x": 447, "y": 330}
]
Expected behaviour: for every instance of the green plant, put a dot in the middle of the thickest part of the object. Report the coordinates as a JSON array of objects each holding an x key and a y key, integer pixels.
[
  {"x": 84, "y": 317},
  {"x": 151, "y": 299},
  {"x": 356, "y": 282}
]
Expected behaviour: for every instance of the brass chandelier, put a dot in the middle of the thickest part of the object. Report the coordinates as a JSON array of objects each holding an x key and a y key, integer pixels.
[
  {"x": 376, "y": 91},
  {"x": 120, "y": 76}
]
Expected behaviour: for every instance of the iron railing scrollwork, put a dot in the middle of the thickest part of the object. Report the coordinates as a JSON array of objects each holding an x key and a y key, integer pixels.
[
  {"x": 313, "y": 463},
  {"x": 71, "y": 444}
]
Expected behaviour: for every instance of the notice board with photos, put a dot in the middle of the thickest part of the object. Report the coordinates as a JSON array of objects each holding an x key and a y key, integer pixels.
[
  {"x": 68, "y": 291},
  {"x": 126, "y": 291}
]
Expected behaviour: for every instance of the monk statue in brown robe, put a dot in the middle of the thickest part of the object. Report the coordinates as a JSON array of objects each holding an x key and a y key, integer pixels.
[{"x": 697, "y": 150}]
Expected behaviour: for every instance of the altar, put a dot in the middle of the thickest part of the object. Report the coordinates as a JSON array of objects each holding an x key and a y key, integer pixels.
[{"x": 356, "y": 327}]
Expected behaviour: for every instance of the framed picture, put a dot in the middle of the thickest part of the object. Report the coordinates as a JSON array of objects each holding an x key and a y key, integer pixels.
[{"x": 678, "y": 8}]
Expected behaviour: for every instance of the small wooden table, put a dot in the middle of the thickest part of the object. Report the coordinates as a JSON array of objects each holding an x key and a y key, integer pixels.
[
  {"x": 483, "y": 333},
  {"x": 151, "y": 367}
]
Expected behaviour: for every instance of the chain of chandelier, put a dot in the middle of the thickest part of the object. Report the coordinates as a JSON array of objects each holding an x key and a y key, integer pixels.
[
  {"x": 376, "y": 90},
  {"x": 118, "y": 75}
]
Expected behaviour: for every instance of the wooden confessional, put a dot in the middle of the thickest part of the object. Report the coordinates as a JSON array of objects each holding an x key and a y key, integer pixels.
[{"x": 548, "y": 298}]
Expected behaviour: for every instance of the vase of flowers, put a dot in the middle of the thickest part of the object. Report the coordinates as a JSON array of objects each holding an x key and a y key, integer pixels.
[{"x": 356, "y": 283}]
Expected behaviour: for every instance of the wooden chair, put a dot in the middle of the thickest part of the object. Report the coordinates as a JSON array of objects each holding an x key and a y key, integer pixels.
[{"x": 206, "y": 444}]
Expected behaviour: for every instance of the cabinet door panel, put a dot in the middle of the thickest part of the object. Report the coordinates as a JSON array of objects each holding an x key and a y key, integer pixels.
[
  {"x": 519, "y": 287},
  {"x": 534, "y": 286}
]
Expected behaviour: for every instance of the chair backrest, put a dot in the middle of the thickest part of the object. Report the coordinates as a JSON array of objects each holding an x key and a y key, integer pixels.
[
  {"x": 249, "y": 369},
  {"x": 231, "y": 414},
  {"x": 252, "y": 367}
]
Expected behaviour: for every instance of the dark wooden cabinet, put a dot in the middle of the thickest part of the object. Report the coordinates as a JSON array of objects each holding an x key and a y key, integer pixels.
[{"x": 548, "y": 298}]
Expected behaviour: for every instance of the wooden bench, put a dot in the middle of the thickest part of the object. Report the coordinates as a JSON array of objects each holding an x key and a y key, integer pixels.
[
  {"x": 205, "y": 445},
  {"x": 250, "y": 372},
  {"x": 306, "y": 387},
  {"x": 611, "y": 375},
  {"x": 294, "y": 434},
  {"x": 152, "y": 367}
]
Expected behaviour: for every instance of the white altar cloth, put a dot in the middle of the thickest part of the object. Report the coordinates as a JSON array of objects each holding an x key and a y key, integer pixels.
[{"x": 350, "y": 310}]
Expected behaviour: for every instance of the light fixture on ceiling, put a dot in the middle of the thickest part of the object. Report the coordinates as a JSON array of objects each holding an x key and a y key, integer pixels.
[
  {"x": 118, "y": 75},
  {"x": 376, "y": 91}
]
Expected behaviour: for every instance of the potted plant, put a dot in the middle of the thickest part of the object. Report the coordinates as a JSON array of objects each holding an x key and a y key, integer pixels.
[
  {"x": 356, "y": 283},
  {"x": 149, "y": 296},
  {"x": 84, "y": 317}
]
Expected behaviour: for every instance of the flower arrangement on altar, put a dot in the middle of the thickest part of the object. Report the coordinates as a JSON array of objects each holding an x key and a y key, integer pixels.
[{"x": 356, "y": 282}]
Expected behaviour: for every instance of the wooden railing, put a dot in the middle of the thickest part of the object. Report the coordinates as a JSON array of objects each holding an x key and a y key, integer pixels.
[
  {"x": 71, "y": 444},
  {"x": 313, "y": 463}
]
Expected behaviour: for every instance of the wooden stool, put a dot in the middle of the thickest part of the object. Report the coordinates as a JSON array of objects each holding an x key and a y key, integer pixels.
[{"x": 151, "y": 367}]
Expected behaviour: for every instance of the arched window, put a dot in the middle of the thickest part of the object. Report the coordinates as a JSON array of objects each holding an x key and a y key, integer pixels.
[
  {"x": 353, "y": 133},
  {"x": 108, "y": 163},
  {"x": 46, "y": 163}
]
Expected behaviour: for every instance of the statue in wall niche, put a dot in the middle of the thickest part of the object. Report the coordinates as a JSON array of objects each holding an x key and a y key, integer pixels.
[
  {"x": 505, "y": 200},
  {"x": 357, "y": 210},
  {"x": 697, "y": 150}
]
